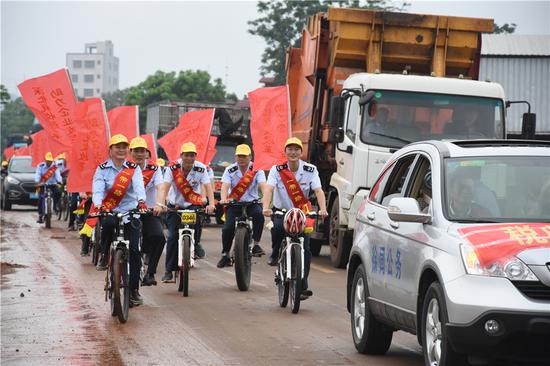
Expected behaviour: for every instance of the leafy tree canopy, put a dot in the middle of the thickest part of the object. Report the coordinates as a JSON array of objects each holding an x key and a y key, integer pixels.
[
  {"x": 16, "y": 118},
  {"x": 505, "y": 28},
  {"x": 281, "y": 23}
]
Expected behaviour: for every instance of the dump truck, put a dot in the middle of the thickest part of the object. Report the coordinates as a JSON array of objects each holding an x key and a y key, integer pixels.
[{"x": 365, "y": 83}]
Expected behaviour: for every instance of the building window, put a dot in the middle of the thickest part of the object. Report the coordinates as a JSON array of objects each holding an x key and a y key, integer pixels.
[
  {"x": 98, "y": 76},
  {"x": 115, "y": 81},
  {"x": 99, "y": 62},
  {"x": 98, "y": 90},
  {"x": 77, "y": 64},
  {"x": 88, "y": 92},
  {"x": 89, "y": 64},
  {"x": 74, "y": 78},
  {"x": 88, "y": 78}
]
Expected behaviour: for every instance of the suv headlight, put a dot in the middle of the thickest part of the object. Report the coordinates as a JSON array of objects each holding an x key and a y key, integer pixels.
[
  {"x": 508, "y": 267},
  {"x": 12, "y": 180}
]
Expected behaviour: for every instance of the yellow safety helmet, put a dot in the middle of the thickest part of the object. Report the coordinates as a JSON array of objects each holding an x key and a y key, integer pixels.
[
  {"x": 161, "y": 162},
  {"x": 138, "y": 142},
  {"x": 243, "y": 149},
  {"x": 188, "y": 147},
  {"x": 294, "y": 141},
  {"x": 60, "y": 156},
  {"x": 48, "y": 157},
  {"x": 4, "y": 163},
  {"x": 117, "y": 139}
]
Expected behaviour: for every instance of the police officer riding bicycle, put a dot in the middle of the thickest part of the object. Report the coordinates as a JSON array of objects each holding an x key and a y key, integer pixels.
[
  {"x": 290, "y": 183},
  {"x": 118, "y": 187},
  {"x": 47, "y": 173},
  {"x": 240, "y": 182},
  {"x": 153, "y": 236},
  {"x": 184, "y": 180}
]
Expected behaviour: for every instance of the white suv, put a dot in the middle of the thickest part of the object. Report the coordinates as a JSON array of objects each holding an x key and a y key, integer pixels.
[{"x": 453, "y": 244}]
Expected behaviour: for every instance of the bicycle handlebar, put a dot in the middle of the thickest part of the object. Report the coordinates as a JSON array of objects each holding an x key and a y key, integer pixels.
[
  {"x": 119, "y": 214},
  {"x": 199, "y": 210},
  {"x": 240, "y": 203},
  {"x": 282, "y": 212}
]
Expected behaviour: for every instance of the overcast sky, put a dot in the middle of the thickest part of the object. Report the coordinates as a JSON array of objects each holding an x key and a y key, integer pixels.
[{"x": 173, "y": 36}]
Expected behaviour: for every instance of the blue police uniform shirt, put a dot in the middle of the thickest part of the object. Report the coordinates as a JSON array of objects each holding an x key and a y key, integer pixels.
[
  {"x": 308, "y": 177},
  {"x": 104, "y": 179},
  {"x": 151, "y": 188},
  {"x": 232, "y": 175},
  {"x": 42, "y": 168},
  {"x": 196, "y": 177}
]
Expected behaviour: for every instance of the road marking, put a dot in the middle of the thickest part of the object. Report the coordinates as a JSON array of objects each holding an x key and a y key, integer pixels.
[{"x": 321, "y": 269}]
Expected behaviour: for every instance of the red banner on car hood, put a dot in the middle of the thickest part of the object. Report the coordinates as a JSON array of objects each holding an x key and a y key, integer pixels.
[{"x": 493, "y": 242}]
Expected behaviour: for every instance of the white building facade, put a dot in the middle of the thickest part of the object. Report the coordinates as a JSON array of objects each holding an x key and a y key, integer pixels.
[{"x": 95, "y": 71}]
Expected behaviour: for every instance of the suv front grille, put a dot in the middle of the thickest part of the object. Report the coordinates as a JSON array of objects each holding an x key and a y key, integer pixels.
[
  {"x": 533, "y": 289},
  {"x": 28, "y": 187}
]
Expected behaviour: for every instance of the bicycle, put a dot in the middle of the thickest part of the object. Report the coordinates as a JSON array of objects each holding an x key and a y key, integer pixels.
[
  {"x": 290, "y": 270},
  {"x": 117, "y": 277},
  {"x": 186, "y": 245},
  {"x": 241, "y": 255},
  {"x": 64, "y": 205},
  {"x": 47, "y": 194}
]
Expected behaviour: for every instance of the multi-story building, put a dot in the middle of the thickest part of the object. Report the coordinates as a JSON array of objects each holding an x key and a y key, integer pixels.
[{"x": 95, "y": 71}]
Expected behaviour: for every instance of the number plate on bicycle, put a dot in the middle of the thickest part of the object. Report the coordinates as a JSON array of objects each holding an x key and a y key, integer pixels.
[{"x": 188, "y": 217}]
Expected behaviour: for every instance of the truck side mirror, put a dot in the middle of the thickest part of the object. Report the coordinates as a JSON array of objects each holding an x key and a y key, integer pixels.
[
  {"x": 339, "y": 135},
  {"x": 528, "y": 126},
  {"x": 337, "y": 106},
  {"x": 366, "y": 97}
]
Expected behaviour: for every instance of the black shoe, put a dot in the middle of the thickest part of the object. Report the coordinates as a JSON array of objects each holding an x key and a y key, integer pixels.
[
  {"x": 199, "y": 251},
  {"x": 40, "y": 220},
  {"x": 102, "y": 263},
  {"x": 168, "y": 277},
  {"x": 272, "y": 260},
  {"x": 135, "y": 298},
  {"x": 257, "y": 251},
  {"x": 149, "y": 280},
  {"x": 306, "y": 294},
  {"x": 225, "y": 261},
  {"x": 84, "y": 252}
]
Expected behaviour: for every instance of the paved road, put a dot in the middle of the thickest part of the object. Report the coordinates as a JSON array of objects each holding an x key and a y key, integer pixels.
[{"x": 53, "y": 311}]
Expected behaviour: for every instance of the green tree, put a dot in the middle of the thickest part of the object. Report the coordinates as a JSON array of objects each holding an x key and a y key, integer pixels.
[
  {"x": 506, "y": 28},
  {"x": 114, "y": 99},
  {"x": 187, "y": 86},
  {"x": 4, "y": 95},
  {"x": 16, "y": 118},
  {"x": 281, "y": 23}
]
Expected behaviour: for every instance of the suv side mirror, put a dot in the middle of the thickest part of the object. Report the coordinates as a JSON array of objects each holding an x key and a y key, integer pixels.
[
  {"x": 528, "y": 126},
  {"x": 337, "y": 107},
  {"x": 406, "y": 209}
]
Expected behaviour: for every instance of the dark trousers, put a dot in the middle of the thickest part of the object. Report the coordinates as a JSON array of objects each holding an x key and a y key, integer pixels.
[
  {"x": 73, "y": 206},
  {"x": 277, "y": 236},
  {"x": 153, "y": 241},
  {"x": 132, "y": 232},
  {"x": 42, "y": 197},
  {"x": 228, "y": 231},
  {"x": 173, "y": 221},
  {"x": 85, "y": 238}
]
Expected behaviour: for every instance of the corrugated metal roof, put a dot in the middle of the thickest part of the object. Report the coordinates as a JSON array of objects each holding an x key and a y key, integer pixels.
[{"x": 515, "y": 45}]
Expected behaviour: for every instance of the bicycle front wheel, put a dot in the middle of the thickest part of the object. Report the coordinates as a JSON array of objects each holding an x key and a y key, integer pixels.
[
  {"x": 60, "y": 208},
  {"x": 121, "y": 286},
  {"x": 243, "y": 262},
  {"x": 296, "y": 278},
  {"x": 48, "y": 216},
  {"x": 282, "y": 283},
  {"x": 95, "y": 243},
  {"x": 184, "y": 270},
  {"x": 67, "y": 211}
]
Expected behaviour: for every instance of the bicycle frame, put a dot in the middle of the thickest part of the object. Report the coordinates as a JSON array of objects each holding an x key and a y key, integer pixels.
[
  {"x": 186, "y": 230},
  {"x": 48, "y": 195},
  {"x": 289, "y": 243}
]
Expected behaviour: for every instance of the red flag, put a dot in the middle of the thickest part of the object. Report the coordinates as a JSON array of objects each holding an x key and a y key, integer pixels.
[
  {"x": 23, "y": 151},
  {"x": 150, "y": 138},
  {"x": 211, "y": 152},
  {"x": 195, "y": 127},
  {"x": 124, "y": 120},
  {"x": 8, "y": 152},
  {"x": 269, "y": 125},
  {"x": 40, "y": 146},
  {"x": 51, "y": 98},
  {"x": 92, "y": 147}
]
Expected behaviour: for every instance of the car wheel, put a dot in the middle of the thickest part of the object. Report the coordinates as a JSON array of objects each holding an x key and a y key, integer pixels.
[
  {"x": 369, "y": 335},
  {"x": 435, "y": 343}
]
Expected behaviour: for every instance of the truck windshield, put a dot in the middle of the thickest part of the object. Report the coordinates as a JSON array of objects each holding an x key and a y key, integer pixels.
[
  {"x": 395, "y": 118},
  {"x": 225, "y": 155},
  {"x": 21, "y": 165},
  {"x": 497, "y": 189}
]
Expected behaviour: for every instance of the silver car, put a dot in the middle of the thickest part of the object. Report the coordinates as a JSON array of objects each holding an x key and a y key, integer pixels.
[{"x": 453, "y": 245}]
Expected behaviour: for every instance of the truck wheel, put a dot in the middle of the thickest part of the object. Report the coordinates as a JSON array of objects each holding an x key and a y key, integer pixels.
[{"x": 339, "y": 248}]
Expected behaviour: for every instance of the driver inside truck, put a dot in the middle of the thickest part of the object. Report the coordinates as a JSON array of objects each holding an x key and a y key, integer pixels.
[
  {"x": 464, "y": 122},
  {"x": 379, "y": 120}
]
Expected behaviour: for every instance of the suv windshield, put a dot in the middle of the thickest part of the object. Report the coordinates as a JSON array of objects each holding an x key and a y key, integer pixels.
[
  {"x": 395, "y": 118},
  {"x": 21, "y": 165},
  {"x": 498, "y": 189}
]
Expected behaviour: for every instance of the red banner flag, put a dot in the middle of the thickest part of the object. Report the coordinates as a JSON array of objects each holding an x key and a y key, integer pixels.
[
  {"x": 124, "y": 120},
  {"x": 151, "y": 143},
  {"x": 51, "y": 99},
  {"x": 40, "y": 146},
  {"x": 211, "y": 152},
  {"x": 8, "y": 152},
  {"x": 23, "y": 151},
  {"x": 269, "y": 125},
  {"x": 195, "y": 127},
  {"x": 92, "y": 147}
]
